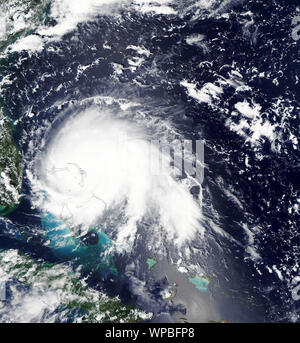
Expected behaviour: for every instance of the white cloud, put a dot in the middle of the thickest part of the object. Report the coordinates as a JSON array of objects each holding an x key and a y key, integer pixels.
[{"x": 97, "y": 161}]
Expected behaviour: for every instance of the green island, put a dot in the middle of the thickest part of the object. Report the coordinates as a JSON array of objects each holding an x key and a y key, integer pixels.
[
  {"x": 151, "y": 261},
  {"x": 11, "y": 168}
]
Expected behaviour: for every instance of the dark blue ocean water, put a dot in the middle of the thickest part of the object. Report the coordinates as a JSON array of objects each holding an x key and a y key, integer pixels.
[{"x": 267, "y": 187}]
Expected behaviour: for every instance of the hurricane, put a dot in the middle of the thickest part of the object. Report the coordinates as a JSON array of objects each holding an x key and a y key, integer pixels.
[{"x": 100, "y": 161}]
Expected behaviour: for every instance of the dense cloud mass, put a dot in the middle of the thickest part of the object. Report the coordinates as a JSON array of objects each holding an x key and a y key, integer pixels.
[{"x": 97, "y": 160}]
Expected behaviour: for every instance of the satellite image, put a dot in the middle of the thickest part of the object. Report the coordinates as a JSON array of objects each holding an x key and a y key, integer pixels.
[{"x": 149, "y": 161}]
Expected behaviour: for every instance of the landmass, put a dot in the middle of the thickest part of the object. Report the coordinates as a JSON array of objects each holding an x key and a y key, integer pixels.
[
  {"x": 151, "y": 261},
  {"x": 57, "y": 287},
  {"x": 22, "y": 19},
  {"x": 11, "y": 169}
]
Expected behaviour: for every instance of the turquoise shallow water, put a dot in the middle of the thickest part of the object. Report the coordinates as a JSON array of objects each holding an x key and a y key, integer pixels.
[
  {"x": 151, "y": 262},
  {"x": 68, "y": 246},
  {"x": 200, "y": 283}
]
